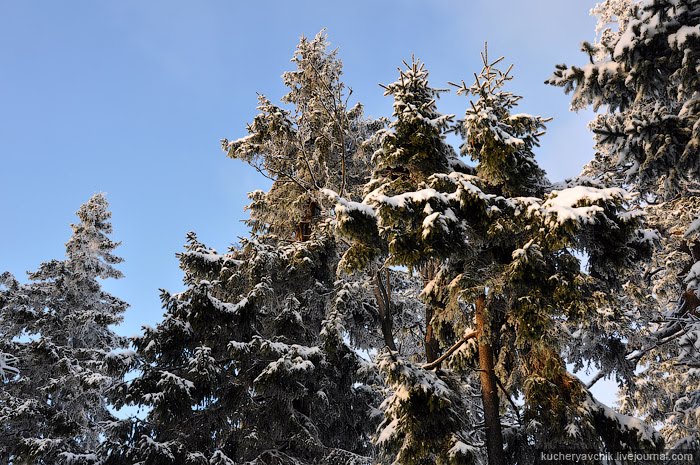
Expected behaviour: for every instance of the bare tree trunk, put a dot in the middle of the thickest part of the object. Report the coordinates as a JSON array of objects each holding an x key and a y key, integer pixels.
[
  {"x": 382, "y": 293},
  {"x": 302, "y": 231},
  {"x": 489, "y": 387},
  {"x": 431, "y": 344}
]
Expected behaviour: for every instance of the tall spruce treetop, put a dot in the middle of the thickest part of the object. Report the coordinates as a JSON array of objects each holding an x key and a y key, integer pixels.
[
  {"x": 643, "y": 71},
  {"x": 500, "y": 142},
  {"x": 411, "y": 150},
  {"x": 414, "y": 146},
  {"x": 250, "y": 364},
  {"x": 313, "y": 145},
  {"x": 506, "y": 277},
  {"x": 66, "y": 346}
]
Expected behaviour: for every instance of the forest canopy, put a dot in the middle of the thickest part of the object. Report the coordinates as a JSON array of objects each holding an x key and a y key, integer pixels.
[{"x": 399, "y": 300}]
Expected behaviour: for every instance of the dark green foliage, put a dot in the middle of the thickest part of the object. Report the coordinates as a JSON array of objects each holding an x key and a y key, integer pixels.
[
  {"x": 245, "y": 364},
  {"x": 482, "y": 236}
]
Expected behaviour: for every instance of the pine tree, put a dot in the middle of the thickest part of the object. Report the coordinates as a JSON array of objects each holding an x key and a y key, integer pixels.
[
  {"x": 505, "y": 274},
  {"x": 315, "y": 144},
  {"x": 62, "y": 318},
  {"x": 247, "y": 366},
  {"x": 251, "y": 363},
  {"x": 643, "y": 71},
  {"x": 319, "y": 143}
]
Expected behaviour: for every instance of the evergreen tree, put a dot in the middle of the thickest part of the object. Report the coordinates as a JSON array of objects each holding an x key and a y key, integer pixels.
[
  {"x": 251, "y": 363},
  {"x": 58, "y": 325},
  {"x": 505, "y": 275},
  {"x": 320, "y": 143},
  {"x": 248, "y": 365},
  {"x": 315, "y": 144},
  {"x": 643, "y": 71},
  {"x": 8, "y": 362}
]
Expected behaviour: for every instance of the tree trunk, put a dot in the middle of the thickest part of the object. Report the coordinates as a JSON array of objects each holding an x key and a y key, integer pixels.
[
  {"x": 431, "y": 344},
  {"x": 302, "y": 231},
  {"x": 489, "y": 387},
  {"x": 382, "y": 294}
]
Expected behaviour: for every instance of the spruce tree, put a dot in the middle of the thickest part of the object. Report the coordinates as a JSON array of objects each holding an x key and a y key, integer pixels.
[
  {"x": 506, "y": 277},
  {"x": 315, "y": 142},
  {"x": 59, "y": 327},
  {"x": 643, "y": 72},
  {"x": 247, "y": 366},
  {"x": 251, "y": 363}
]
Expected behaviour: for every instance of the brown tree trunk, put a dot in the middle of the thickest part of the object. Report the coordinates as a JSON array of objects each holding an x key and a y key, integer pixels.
[
  {"x": 432, "y": 346},
  {"x": 489, "y": 387},
  {"x": 302, "y": 231},
  {"x": 382, "y": 294}
]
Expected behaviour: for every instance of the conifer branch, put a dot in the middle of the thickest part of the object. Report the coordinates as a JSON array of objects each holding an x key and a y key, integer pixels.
[{"x": 450, "y": 351}]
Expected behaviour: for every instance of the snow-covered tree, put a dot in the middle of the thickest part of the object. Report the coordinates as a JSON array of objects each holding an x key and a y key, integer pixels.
[
  {"x": 8, "y": 362},
  {"x": 643, "y": 73},
  {"x": 59, "y": 327},
  {"x": 505, "y": 276},
  {"x": 247, "y": 366},
  {"x": 314, "y": 142},
  {"x": 429, "y": 417},
  {"x": 252, "y": 362}
]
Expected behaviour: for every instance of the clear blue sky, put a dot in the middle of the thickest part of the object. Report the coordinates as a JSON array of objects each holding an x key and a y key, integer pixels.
[{"x": 131, "y": 98}]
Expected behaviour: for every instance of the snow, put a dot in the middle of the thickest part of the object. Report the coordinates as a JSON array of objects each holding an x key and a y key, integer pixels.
[
  {"x": 693, "y": 228},
  {"x": 400, "y": 201},
  {"x": 227, "y": 307},
  {"x": 430, "y": 220},
  {"x": 627, "y": 39},
  {"x": 126, "y": 357},
  {"x": 602, "y": 70},
  {"x": 77, "y": 459},
  {"x": 219, "y": 458},
  {"x": 679, "y": 38},
  {"x": 96, "y": 380},
  {"x": 521, "y": 254},
  {"x": 645, "y": 432},
  {"x": 228, "y": 145},
  {"x": 693, "y": 277},
  {"x": 460, "y": 448},
  {"x": 464, "y": 183},
  {"x": 149, "y": 347},
  {"x": 647, "y": 236},
  {"x": 577, "y": 204},
  {"x": 572, "y": 430},
  {"x": 169, "y": 379},
  {"x": 7, "y": 366},
  {"x": 388, "y": 431},
  {"x": 160, "y": 448},
  {"x": 285, "y": 366},
  {"x": 346, "y": 206}
]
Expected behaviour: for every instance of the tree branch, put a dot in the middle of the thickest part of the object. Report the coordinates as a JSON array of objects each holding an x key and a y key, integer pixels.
[{"x": 450, "y": 351}]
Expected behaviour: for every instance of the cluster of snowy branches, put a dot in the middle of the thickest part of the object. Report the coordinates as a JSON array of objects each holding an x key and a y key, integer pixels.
[{"x": 399, "y": 301}]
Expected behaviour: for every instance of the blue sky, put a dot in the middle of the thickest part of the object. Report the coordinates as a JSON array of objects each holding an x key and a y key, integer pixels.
[{"x": 131, "y": 98}]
